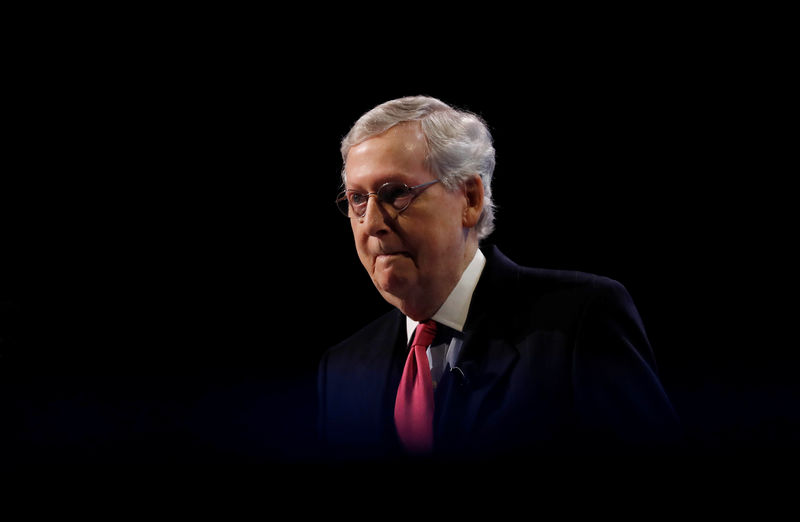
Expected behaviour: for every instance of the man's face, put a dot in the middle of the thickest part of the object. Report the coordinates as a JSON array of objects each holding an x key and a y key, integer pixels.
[{"x": 416, "y": 257}]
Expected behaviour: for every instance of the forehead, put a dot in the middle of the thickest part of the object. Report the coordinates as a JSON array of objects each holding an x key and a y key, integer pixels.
[{"x": 396, "y": 155}]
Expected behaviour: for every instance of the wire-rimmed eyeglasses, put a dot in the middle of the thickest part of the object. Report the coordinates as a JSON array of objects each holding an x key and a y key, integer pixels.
[{"x": 399, "y": 196}]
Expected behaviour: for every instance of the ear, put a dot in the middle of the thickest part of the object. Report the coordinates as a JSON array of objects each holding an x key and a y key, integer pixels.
[{"x": 473, "y": 192}]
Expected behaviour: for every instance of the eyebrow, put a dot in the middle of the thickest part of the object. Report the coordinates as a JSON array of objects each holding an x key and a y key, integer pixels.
[{"x": 389, "y": 178}]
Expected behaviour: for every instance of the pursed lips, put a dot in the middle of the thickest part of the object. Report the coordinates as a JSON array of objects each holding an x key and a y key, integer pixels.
[
  {"x": 388, "y": 254},
  {"x": 391, "y": 254}
]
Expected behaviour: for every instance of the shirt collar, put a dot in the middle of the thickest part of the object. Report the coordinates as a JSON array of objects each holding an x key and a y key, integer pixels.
[{"x": 453, "y": 312}]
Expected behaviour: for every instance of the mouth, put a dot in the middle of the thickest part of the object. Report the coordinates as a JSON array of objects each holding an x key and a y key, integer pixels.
[{"x": 389, "y": 255}]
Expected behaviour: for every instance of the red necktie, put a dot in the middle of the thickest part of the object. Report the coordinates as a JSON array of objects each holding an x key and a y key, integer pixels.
[{"x": 413, "y": 408}]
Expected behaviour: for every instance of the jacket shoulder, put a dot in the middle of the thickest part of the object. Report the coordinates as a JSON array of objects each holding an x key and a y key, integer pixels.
[
  {"x": 546, "y": 297},
  {"x": 567, "y": 279},
  {"x": 545, "y": 279}
]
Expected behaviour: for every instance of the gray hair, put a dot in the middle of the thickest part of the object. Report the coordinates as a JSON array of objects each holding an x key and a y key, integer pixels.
[{"x": 459, "y": 144}]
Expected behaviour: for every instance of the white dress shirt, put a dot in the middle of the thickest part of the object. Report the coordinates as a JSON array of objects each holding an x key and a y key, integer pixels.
[{"x": 452, "y": 314}]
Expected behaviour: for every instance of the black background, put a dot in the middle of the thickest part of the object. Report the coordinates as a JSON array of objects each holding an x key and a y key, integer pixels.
[{"x": 175, "y": 265}]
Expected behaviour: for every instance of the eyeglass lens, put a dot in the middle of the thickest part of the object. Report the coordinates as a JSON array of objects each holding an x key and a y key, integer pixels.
[{"x": 398, "y": 195}]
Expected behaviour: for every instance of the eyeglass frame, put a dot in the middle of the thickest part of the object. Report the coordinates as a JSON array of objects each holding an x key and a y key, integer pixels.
[{"x": 414, "y": 193}]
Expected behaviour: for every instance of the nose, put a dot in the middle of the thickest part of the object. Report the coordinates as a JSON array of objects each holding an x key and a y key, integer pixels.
[{"x": 375, "y": 219}]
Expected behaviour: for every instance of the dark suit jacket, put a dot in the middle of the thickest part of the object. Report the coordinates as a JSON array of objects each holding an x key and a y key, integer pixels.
[{"x": 552, "y": 361}]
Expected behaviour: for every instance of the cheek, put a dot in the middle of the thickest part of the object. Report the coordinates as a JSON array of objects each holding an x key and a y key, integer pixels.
[{"x": 441, "y": 246}]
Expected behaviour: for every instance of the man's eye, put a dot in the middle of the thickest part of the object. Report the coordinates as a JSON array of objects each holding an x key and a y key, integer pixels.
[
  {"x": 393, "y": 193},
  {"x": 357, "y": 199}
]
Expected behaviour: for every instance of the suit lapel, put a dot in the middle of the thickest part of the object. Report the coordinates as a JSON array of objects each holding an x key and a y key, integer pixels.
[{"x": 464, "y": 396}]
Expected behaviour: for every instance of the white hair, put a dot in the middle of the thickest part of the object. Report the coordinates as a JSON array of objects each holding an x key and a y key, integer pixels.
[{"x": 459, "y": 144}]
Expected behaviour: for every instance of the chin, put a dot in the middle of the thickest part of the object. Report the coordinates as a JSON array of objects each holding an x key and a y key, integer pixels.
[
  {"x": 392, "y": 282},
  {"x": 393, "y": 292}
]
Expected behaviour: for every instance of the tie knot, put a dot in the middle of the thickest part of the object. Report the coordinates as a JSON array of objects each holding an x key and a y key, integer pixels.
[{"x": 425, "y": 333}]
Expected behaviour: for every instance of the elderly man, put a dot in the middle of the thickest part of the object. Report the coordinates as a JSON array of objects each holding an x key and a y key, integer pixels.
[{"x": 479, "y": 356}]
